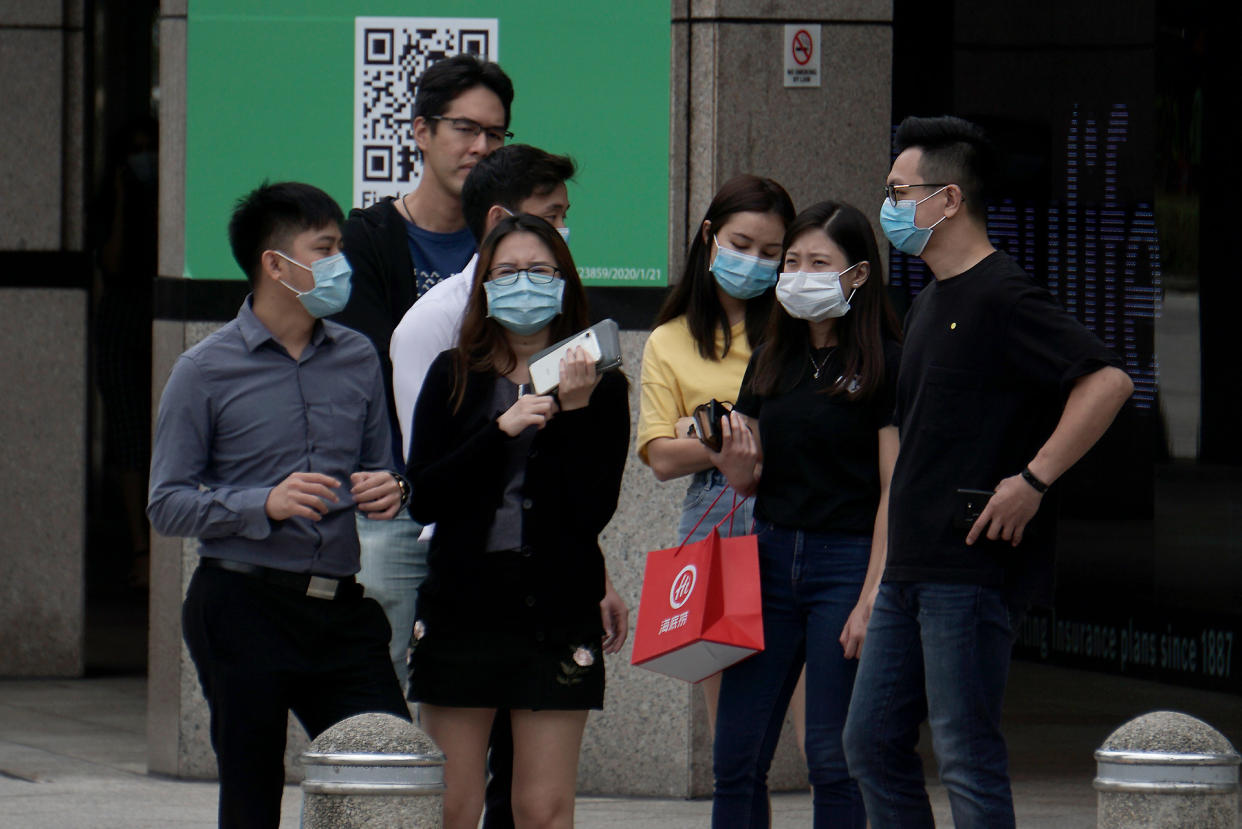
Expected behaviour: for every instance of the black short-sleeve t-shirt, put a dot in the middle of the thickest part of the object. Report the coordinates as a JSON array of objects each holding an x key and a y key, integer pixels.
[
  {"x": 821, "y": 468},
  {"x": 988, "y": 360}
]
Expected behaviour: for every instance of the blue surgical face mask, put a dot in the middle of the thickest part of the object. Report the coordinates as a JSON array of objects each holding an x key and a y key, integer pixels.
[
  {"x": 332, "y": 285},
  {"x": 814, "y": 296},
  {"x": 741, "y": 275},
  {"x": 524, "y": 306},
  {"x": 897, "y": 222}
]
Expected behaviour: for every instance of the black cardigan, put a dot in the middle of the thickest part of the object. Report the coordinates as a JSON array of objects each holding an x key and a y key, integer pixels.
[
  {"x": 573, "y": 479},
  {"x": 382, "y": 285}
]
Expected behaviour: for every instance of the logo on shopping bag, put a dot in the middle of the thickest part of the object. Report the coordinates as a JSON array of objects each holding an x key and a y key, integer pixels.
[{"x": 683, "y": 586}]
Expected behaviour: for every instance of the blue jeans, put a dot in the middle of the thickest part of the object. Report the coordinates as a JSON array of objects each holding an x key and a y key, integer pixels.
[
  {"x": 394, "y": 564},
  {"x": 810, "y": 583},
  {"x": 938, "y": 652},
  {"x": 703, "y": 489}
]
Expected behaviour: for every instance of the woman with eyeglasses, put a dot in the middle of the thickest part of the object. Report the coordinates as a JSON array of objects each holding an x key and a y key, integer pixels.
[
  {"x": 811, "y": 435},
  {"x": 519, "y": 486},
  {"x": 702, "y": 342}
]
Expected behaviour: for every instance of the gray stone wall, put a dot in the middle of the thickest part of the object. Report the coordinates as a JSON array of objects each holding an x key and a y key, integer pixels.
[{"x": 43, "y": 350}]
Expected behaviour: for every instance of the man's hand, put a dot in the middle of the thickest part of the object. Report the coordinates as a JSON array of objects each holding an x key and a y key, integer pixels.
[
  {"x": 1007, "y": 512},
  {"x": 616, "y": 618},
  {"x": 529, "y": 410},
  {"x": 302, "y": 495},
  {"x": 684, "y": 427},
  {"x": 376, "y": 493}
]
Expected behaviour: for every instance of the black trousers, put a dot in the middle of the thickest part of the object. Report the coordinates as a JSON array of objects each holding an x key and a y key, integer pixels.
[{"x": 262, "y": 651}]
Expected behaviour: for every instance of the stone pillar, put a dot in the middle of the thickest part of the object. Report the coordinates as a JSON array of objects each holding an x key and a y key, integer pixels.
[
  {"x": 44, "y": 281},
  {"x": 178, "y": 736},
  {"x": 373, "y": 771},
  {"x": 1167, "y": 770},
  {"x": 730, "y": 114}
]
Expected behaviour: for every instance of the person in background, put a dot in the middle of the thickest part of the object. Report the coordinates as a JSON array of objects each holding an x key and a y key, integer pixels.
[
  {"x": 820, "y": 391},
  {"x": 712, "y": 319},
  {"x": 519, "y": 486},
  {"x": 399, "y": 249}
]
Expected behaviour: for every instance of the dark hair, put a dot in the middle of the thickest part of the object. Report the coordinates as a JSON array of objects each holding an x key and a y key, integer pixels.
[
  {"x": 695, "y": 295},
  {"x": 508, "y": 176},
  {"x": 483, "y": 345},
  {"x": 955, "y": 151},
  {"x": 860, "y": 333},
  {"x": 445, "y": 79},
  {"x": 267, "y": 216}
]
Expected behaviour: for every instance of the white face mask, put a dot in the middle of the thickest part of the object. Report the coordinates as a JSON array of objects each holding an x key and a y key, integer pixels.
[{"x": 814, "y": 296}]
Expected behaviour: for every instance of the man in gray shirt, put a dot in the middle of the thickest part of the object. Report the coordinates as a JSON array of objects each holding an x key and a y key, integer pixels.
[{"x": 271, "y": 433}]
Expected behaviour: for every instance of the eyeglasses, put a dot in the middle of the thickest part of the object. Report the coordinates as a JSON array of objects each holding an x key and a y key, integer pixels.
[
  {"x": 468, "y": 129},
  {"x": 893, "y": 192},
  {"x": 508, "y": 275}
]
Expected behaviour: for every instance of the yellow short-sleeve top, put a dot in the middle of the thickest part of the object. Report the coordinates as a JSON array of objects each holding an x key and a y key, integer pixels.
[{"x": 676, "y": 378}]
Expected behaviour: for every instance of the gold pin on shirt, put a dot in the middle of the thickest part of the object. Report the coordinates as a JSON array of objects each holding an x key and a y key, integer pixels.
[{"x": 953, "y": 326}]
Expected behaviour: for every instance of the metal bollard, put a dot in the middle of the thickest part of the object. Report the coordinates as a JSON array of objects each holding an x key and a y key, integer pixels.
[
  {"x": 1167, "y": 770},
  {"x": 375, "y": 771}
]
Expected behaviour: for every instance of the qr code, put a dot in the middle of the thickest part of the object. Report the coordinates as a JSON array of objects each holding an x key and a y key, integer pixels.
[{"x": 390, "y": 56}]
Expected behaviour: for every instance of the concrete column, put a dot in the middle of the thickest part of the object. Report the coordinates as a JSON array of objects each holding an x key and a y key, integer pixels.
[
  {"x": 43, "y": 361},
  {"x": 730, "y": 114}
]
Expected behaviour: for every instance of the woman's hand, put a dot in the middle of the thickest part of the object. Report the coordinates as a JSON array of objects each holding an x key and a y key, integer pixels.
[
  {"x": 738, "y": 458},
  {"x": 529, "y": 410},
  {"x": 578, "y": 379},
  {"x": 855, "y": 630}
]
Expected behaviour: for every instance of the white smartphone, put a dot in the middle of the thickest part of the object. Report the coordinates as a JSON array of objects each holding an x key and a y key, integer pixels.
[{"x": 545, "y": 369}]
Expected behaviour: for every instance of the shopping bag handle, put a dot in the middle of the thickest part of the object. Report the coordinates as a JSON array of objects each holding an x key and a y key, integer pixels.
[{"x": 736, "y": 503}]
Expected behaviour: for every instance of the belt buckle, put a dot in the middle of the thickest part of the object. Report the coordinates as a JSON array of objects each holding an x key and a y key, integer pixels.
[{"x": 322, "y": 588}]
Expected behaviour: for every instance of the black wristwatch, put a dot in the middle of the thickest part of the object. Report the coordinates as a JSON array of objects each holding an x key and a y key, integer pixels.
[
  {"x": 404, "y": 486},
  {"x": 1029, "y": 476}
]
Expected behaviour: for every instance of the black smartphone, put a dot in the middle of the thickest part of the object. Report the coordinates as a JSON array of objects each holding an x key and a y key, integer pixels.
[
  {"x": 707, "y": 419},
  {"x": 969, "y": 505}
]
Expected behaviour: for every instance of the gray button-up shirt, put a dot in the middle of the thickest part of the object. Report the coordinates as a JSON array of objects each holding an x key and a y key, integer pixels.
[{"x": 239, "y": 415}]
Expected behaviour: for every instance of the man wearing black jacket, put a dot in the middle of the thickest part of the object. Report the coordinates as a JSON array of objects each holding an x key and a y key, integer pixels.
[{"x": 399, "y": 248}]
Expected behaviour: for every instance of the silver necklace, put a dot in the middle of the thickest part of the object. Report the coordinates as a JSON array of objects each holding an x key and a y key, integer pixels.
[{"x": 820, "y": 365}]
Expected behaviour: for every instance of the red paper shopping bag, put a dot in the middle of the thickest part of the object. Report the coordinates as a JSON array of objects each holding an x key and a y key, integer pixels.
[{"x": 701, "y": 607}]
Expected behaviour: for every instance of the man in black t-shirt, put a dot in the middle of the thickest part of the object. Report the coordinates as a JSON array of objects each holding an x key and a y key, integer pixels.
[{"x": 999, "y": 390}]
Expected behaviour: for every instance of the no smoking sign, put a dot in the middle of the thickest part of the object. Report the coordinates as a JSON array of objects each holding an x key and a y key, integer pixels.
[{"x": 802, "y": 44}]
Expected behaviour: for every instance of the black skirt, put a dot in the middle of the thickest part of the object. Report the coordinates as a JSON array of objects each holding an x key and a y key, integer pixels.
[{"x": 537, "y": 669}]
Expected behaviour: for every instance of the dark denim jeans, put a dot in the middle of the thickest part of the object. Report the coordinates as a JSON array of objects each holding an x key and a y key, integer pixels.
[
  {"x": 810, "y": 583},
  {"x": 938, "y": 652}
]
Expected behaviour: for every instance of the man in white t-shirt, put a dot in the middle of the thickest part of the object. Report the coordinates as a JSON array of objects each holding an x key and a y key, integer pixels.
[{"x": 517, "y": 178}]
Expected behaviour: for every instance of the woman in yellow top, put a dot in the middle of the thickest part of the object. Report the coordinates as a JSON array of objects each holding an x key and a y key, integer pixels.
[{"x": 704, "y": 335}]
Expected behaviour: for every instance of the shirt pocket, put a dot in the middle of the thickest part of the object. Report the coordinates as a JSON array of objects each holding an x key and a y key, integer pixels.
[
  {"x": 954, "y": 407},
  {"x": 337, "y": 429}
]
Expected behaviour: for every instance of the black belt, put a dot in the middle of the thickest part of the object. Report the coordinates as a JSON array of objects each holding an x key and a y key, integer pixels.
[{"x": 317, "y": 587}]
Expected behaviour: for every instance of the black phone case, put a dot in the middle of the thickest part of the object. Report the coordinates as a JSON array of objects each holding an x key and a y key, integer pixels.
[{"x": 970, "y": 503}]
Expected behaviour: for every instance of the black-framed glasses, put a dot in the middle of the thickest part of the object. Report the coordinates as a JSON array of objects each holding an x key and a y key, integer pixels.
[
  {"x": 508, "y": 275},
  {"x": 893, "y": 192},
  {"x": 468, "y": 128}
]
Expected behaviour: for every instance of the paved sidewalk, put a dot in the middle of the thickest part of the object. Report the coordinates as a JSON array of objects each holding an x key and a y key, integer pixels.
[{"x": 73, "y": 754}]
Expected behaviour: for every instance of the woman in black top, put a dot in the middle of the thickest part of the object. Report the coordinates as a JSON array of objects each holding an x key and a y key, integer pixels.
[
  {"x": 519, "y": 487},
  {"x": 820, "y": 391}
]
